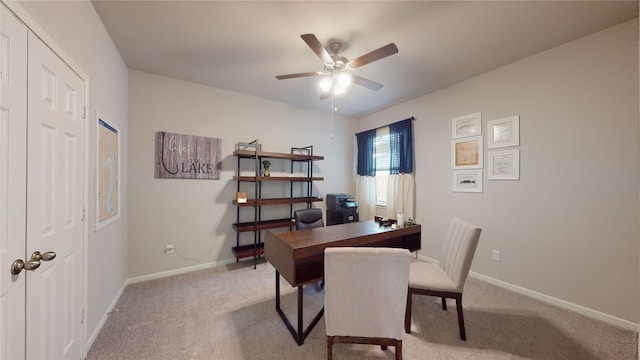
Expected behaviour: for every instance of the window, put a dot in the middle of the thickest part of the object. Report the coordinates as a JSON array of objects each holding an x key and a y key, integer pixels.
[
  {"x": 384, "y": 152},
  {"x": 382, "y": 156}
]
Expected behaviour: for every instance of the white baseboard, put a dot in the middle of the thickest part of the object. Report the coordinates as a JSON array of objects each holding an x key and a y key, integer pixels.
[
  {"x": 178, "y": 271},
  {"x": 112, "y": 306},
  {"x": 103, "y": 320},
  {"x": 610, "y": 319}
]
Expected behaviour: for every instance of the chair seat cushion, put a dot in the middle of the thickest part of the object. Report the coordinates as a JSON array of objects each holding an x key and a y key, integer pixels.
[{"x": 430, "y": 276}]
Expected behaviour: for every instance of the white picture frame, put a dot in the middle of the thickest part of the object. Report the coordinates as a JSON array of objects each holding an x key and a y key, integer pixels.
[
  {"x": 467, "y": 153},
  {"x": 503, "y": 132},
  {"x": 467, "y": 181},
  {"x": 466, "y": 125},
  {"x": 107, "y": 171},
  {"x": 504, "y": 165}
]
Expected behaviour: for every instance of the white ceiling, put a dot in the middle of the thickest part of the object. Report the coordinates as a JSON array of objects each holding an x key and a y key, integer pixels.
[{"x": 241, "y": 45}]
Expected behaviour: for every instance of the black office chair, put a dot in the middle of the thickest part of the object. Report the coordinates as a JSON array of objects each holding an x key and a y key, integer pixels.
[{"x": 308, "y": 218}]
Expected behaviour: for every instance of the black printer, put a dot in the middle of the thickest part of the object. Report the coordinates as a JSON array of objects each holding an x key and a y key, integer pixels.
[{"x": 341, "y": 209}]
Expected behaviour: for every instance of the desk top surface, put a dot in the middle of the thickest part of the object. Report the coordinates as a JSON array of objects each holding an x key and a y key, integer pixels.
[
  {"x": 300, "y": 239},
  {"x": 299, "y": 255}
]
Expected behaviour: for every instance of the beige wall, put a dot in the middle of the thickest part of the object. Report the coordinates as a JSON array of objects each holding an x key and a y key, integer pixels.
[
  {"x": 78, "y": 31},
  {"x": 197, "y": 215},
  {"x": 569, "y": 228}
]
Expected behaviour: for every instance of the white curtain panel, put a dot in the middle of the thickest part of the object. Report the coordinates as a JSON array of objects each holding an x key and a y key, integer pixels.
[
  {"x": 400, "y": 195},
  {"x": 366, "y": 197}
]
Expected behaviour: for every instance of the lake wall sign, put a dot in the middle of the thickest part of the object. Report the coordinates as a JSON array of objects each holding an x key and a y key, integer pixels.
[{"x": 187, "y": 156}]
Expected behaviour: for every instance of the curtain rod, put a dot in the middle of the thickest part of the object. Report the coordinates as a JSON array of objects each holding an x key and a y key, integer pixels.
[{"x": 380, "y": 127}]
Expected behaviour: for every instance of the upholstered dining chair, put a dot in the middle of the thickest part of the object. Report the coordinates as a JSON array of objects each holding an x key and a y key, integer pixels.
[
  {"x": 365, "y": 296},
  {"x": 446, "y": 279},
  {"x": 308, "y": 218}
]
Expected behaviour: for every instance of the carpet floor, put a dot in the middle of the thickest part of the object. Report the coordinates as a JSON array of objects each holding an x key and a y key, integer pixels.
[{"x": 229, "y": 313}]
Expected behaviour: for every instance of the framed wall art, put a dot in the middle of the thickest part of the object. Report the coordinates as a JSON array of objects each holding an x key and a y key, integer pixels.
[
  {"x": 467, "y": 125},
  {"x": 503, "y": 132},
  {"x": 182, "y": 156},
  {"x": 504, "y": 165},
  {"x": 467, "y": 180},
  {"x": 467, "y": 153},
  {"x": 107, "y": 172}
]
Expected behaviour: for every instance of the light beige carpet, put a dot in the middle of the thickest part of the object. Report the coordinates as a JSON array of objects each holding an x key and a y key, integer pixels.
[{"x": 229, "y": 313}]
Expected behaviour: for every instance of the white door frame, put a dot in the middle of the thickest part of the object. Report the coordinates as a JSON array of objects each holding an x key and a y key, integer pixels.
[{"x": 24, "y": 16}]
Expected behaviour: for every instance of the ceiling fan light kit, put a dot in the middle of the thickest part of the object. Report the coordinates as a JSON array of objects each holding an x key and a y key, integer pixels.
[
  {"x": 337, "y": 68},
  {"x": 343, "y": 79},
  {"x": 338, "y": 83}
]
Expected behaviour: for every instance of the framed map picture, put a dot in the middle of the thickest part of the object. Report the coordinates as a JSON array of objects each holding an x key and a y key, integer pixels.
[{"x": 107, "y": 172}]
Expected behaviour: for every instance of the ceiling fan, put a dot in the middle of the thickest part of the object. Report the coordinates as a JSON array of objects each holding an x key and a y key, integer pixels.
[{"x": 337, "y": 68}]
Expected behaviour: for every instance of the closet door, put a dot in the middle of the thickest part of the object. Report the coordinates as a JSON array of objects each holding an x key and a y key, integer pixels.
[
  {"x": 54, "y": 205},
  {"x": 13, "y": 160}
]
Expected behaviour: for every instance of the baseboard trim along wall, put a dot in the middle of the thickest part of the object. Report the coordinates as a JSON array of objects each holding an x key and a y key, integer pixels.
[
  {"x": 112, "y": 307},
  {"x": 610, "y": 319},
  {"x": 178, "y": 271},
  {"x": 104, "y": 318}
]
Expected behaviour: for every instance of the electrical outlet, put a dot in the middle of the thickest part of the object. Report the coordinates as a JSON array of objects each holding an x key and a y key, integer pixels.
[
  {"x": 169, "y": 249},
  {"x": 496, "y": 255}
]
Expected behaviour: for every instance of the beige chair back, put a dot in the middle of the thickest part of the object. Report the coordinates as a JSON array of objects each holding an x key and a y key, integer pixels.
[
  {"x": 458, "y": 250},
  {"x": 366, "y": 291}
]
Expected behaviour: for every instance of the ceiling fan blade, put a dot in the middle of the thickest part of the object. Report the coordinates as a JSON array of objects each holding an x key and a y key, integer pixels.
[
  {"x": 317, "y": 48},
  {"x": 366, "y": 82},
  {"x": 291, "y": 76},
  {"x": 374, "y": 55}
]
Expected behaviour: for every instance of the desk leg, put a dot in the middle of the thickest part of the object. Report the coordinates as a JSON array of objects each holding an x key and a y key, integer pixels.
[{"x": 300, "y": 334}]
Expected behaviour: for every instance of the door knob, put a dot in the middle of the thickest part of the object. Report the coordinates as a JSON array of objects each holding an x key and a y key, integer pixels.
[
  {"x": 33, "y": 263},
  {"x": 19, "y": 265},
  {"x": 48, "y": 256}
]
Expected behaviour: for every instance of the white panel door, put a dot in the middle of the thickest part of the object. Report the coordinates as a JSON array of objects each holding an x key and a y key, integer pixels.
[
  {"x": 13, "y": 171},
  {"x": 54, "y": 205}
]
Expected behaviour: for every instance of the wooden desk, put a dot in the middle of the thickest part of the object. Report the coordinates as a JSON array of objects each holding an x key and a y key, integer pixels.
[{"x": 299, "y": 255}]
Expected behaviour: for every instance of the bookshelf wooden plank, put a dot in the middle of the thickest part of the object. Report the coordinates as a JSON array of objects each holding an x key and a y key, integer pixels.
[
  {"x": 275, "y": 155},
  {"x": 246, "y": 251},
  {"x": 276, "y": 178},
  {"x": 279, "y": 201},
  {"x": 263, "y": 225}
]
